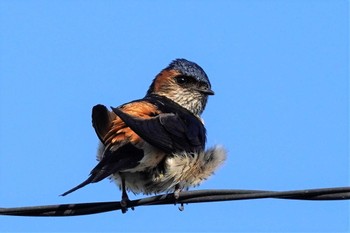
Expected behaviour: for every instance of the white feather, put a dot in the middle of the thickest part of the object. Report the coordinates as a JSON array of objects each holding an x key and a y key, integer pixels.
[{"x": 182, "y": 170}]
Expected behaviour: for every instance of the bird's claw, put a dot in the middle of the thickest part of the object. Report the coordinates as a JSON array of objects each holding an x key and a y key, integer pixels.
[
  {"x": 177, "y": 196},
  {"x": 181, "y": 207}
]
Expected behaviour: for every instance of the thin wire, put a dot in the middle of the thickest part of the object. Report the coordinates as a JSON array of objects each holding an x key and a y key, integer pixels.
[{"x": 186, "y": 197}]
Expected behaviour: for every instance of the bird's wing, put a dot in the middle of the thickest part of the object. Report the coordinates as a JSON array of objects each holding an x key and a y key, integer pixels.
[
  {"x": 124, "y": 133},
  {"x": 171, "y": 131}
]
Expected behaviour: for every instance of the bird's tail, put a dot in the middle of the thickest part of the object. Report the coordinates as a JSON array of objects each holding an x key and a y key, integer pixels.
[{"x": 86, "y": 182}]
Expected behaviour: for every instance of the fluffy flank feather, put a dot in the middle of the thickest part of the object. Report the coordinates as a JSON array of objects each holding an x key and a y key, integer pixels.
[{"x": 189, "y": 170}]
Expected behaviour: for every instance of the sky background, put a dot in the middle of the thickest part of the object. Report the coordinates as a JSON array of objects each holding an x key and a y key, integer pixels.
[{"x": 280, "y": 71}]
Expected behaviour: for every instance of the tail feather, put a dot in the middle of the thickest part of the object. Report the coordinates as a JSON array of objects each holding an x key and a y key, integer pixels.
[{"x": 84, "y": 183}]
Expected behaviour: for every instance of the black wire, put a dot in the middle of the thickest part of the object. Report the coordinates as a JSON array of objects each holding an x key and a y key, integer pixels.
[{"x": 186, "y": 197}]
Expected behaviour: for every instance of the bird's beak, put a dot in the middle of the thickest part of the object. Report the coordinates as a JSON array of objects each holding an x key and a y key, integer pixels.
[{"x": 207, "y": 91}]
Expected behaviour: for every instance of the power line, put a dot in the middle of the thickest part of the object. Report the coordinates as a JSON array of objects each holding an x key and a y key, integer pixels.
[{"x": 186, "y": 197}]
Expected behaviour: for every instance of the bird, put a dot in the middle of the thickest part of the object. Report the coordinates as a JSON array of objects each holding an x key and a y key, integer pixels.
[{"x": 157, "y": 144}]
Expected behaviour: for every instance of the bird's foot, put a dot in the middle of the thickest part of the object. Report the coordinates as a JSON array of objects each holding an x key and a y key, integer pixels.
[
  {"x": 125, "y": 203},
  {"x": 177, "y": 194}
]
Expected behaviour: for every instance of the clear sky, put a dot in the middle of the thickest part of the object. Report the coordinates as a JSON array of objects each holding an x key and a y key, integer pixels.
[{"x": 280, "y": 71}]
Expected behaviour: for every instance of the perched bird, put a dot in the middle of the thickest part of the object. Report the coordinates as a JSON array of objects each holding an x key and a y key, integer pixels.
[{"x": 157, "y": 143}]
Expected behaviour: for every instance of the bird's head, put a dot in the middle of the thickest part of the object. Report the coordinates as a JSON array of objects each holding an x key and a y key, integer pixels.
[{"x": 185, "y": 83}]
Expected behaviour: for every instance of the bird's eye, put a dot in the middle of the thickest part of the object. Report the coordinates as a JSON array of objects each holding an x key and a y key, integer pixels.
[{"x": 181, "y": 79}]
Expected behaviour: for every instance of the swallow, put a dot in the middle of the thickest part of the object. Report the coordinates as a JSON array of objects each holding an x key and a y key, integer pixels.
[{"x": 157, "y": 144}]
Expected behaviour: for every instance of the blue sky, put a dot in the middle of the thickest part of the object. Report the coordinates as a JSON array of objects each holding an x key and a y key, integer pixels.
[{"x": 280, "y": 71}]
